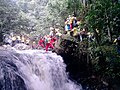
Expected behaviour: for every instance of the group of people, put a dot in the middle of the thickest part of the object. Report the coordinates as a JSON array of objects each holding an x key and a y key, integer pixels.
[
  {"x": 72, "y": 26},
  {"x": 48, "y": 41},
  {"x": 12, "y": 40},
  {"x": 70, "y": 23}
]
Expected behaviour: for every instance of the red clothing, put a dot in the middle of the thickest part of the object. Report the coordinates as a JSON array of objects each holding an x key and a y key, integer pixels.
[
  {"x": 53, "y": 40},
  {"x": 41, "y": 43},
  {"x": 49, "y": 45},
  {"x": 71, "y": 27}
]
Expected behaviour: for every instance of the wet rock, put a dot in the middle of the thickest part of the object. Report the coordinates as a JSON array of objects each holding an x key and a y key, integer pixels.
[{"x": 9, "y": 78}]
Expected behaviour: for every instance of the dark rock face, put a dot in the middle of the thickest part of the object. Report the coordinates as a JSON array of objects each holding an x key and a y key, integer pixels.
[
  {"x": 9, "y": 78},
  {"x": 80, "y": 68},
  {"x": 78, "y": 63},
  {"x": 77, "y": 68}
]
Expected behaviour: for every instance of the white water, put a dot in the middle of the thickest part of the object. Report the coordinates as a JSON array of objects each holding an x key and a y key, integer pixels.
[{"x": 42, "y": 70}]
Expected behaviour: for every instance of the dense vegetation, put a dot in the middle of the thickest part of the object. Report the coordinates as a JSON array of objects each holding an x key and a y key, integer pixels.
[
  {"x": 24, "y": 16},
  {"x": 102, "y": 17}
]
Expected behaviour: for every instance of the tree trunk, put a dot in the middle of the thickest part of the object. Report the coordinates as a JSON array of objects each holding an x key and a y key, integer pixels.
[{"x": 109, "y": 34}]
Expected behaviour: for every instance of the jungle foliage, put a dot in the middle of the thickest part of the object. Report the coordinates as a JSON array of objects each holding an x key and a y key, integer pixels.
[
  {"x": 29, "y": 16},
  {"x": 102, "y": 17}
]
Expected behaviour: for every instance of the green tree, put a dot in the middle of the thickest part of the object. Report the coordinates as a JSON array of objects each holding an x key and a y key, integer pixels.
[
  {"x": 103, "y": 19},
  {"x": 57, "y": 11},
  {"x": 8, "y": 15},
  {"x": 21, "y": 15},
  {"x": 104, "y": 15},
  {"x": 74, "y": 7}
]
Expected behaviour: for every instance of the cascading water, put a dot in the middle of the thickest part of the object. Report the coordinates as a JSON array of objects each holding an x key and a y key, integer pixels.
[{"x": 33, "y": 70}]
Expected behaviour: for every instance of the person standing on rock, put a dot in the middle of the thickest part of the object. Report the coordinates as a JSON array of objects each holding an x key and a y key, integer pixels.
[
  {"x": 52, "y": 32},
  {"x": 41, "y": 42},
  {"x": 49, "y": 44}
]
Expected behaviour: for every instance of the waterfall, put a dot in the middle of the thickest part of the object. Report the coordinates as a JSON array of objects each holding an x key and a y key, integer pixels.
[{"x": 33, "y": 70}]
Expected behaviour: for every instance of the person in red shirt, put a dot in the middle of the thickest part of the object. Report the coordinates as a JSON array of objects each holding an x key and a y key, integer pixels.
[
  {"x": 52, "y": 41},
  {"x": 49, "y": 42},
  {"x": 41, "y": 42}
]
